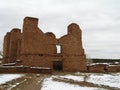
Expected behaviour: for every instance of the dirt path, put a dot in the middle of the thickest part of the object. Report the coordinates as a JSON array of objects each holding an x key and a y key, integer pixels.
[{"x": 28, "y": 82}]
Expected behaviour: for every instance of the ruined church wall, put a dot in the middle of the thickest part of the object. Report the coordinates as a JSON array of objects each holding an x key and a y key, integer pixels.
[
  {"x": 71, "y": 46},
  {"x": 34, "y": 41},
  {"x": 72, "y": 50},
  {"x": 6, "y": 48},
  {"x": 72, "y": 42},
  {"x": 10, "y": 46},
  {"x": 36, "y": 60},
  {"x": 74, "y": 63},
  {"x": 36, "y": 46},
  {"x": 32, "y": 47},
  {"x": 15, "y": 36}
]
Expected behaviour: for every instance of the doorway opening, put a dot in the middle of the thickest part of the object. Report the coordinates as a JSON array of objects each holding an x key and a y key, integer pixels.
[{"x": 58, "y": 65}]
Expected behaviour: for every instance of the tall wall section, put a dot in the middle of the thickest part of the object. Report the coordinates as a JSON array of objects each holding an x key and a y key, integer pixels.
[
  {"x": 36, "y": 47},
  {"x": 10, "y": 46},
  {"x": 72, "y": 50},
  {"x": 6, "y": 45}
]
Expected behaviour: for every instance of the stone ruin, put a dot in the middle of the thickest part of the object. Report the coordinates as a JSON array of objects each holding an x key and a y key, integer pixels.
[
  {"x": 33, "y": 51},
  {"x": 34, "y": 48}
]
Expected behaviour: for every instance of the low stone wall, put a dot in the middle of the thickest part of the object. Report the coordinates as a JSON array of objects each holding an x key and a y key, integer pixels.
[
  {"x": 23, "y": 69},
  {"x": 114, "y": 68},
  {"x": 98, "y": 68},
  {"x": 102, "y": 68}
]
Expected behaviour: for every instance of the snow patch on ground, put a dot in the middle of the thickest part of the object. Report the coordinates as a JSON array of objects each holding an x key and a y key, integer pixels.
[
  {"x": 76, "y": 78},
  {"x": 8, "y": 77},
  {"x": 49, "y": 84},
  {"x": 112, "y": 80}
]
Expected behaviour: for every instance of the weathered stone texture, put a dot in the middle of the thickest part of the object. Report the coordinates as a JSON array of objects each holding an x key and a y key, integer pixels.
[
  {"x": 34, "y": 41},
  {"x": 72, "y": 49},
  {"x": 32, "y": 47},
  {"x": 10, "y": 49},
  {"x": 24, "y": 69},
  {"x": 98, "y": 68},
  {"x": 114, "y": 68}
]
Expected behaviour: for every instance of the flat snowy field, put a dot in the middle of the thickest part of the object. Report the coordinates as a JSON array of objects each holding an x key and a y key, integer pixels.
[
  {"x": 8, "y": 77},
  {"x": 112, "y": 80}
]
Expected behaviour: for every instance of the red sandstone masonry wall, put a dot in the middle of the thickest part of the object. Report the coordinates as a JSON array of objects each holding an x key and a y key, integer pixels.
[
  {"x": 74, "y": 63},
  {"x": 15, "y": 36},
  {"x": 72, "y": 50},
  {"x": 10, "y": 46},
  {"x": 24, "y": 69},
  {"x": 36, "y": 46},
  {"x": 72, "y": 42},
  {"x": 34, "y": 41},
  {"x": 6, "y": 48},
  {"x": 71, "y": 46},
  {"x": 36, "y": 61},
  {"x": 114, "y": 68},
  {"x": 98, "y": 68},
  {"x": 32, "y": 47}
]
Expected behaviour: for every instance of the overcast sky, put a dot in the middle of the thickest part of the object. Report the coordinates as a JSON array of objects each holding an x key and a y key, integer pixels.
[{"x": 98, "y": 19}]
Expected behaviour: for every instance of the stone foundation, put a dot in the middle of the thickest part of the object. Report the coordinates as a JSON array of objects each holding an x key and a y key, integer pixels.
[{"x": 24, "y": 69}]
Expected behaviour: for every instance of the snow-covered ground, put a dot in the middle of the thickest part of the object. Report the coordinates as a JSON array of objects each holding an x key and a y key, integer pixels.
[
  {"x": 49, "y": 84},
  {"x": 8, "y": 77},
  {"x": 112, "y": 80},
  {"x": 76, "y": 78}
]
